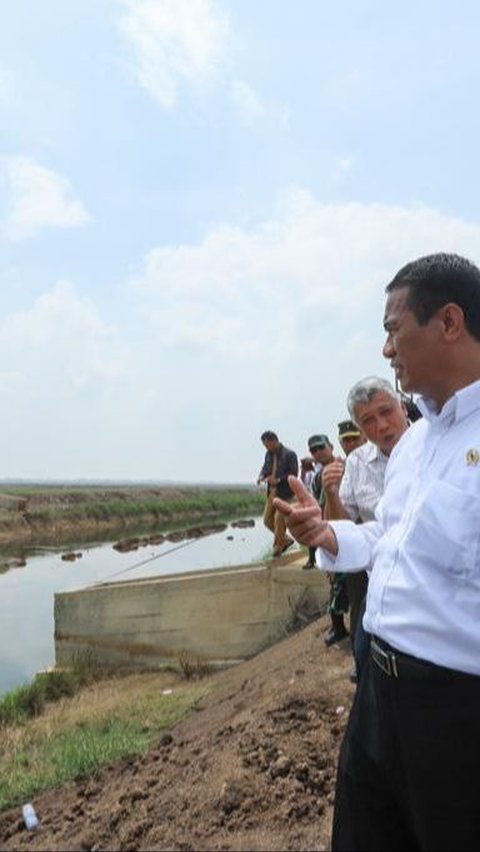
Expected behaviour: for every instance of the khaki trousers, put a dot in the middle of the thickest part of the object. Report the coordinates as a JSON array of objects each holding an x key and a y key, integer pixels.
[{"x": 275, "y": 521}]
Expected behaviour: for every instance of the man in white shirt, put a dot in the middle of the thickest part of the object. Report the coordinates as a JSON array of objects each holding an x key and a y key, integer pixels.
[
  {"x": 408, "y": 772},
  {"x": 355, "y": 491}
]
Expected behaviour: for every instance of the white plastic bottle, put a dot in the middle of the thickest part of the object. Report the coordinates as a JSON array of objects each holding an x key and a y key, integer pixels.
[{"x": 29, "y": 817}]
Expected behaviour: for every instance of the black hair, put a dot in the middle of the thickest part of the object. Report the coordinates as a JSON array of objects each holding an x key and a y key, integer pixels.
[
  {"x": 269, "y": 436},
  {"x": 437, "y": 279}
]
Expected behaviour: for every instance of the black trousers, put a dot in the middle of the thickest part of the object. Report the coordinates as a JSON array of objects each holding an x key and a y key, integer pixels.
[
  {"x": 409, "y": 768},
  {"x": 357, "y": 585},
  {"x": 361, "y": 642}
]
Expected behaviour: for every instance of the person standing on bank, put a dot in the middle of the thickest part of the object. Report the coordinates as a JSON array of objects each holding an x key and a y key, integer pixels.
[
  {"x": 350, "y": 437},
  {"x": 322, "y": 453},
  {"x": 355, "y": 492},
  {"x": 280, "y": 462},
  {"x": 408, "y": 771}
]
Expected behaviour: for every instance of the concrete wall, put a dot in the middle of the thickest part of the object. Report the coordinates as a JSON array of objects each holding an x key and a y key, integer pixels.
[{"x": 219, "y": 616}]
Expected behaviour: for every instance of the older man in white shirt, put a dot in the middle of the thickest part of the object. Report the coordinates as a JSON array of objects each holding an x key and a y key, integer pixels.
[
  {"x": 408, "y": 772},
  {"x": 354, "y": 492}
]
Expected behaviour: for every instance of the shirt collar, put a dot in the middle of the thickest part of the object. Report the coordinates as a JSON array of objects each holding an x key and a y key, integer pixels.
[
  {"x": 373, "y": 453},
  {"x": 460, "y": 405}
]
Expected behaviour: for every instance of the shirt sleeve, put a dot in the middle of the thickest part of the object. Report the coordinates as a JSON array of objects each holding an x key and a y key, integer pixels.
[
  {"x": 346, "y": 492},
  {"x": 266, "y": 468},
  {"x": 355, "y": 546},
  {"x": 291, "y": 464}
]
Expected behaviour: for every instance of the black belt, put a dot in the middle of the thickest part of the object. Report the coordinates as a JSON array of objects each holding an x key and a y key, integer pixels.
[{"x": 398, "y": 665}]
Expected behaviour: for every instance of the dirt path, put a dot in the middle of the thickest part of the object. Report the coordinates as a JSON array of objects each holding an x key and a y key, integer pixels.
[{"x": 253, "y": 768}]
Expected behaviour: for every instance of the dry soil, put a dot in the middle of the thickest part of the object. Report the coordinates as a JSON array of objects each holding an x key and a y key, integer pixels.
[{"x": 252, "y": 768}]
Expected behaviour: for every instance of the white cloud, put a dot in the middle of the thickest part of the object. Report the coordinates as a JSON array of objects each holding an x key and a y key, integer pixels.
[
  {"x": 186, "y": 46},
  {"x": 59, "y": 346},
  {"x": 37, "y": 198},
  {"x": 235, "y": 290},
  {"x": 270, "y": 327},
  {"x": 175, "y": 43},
  {"x": 302, "y": 291},
  {"x": 68, "y": 384},
  {"x": 249, "y": 329}
]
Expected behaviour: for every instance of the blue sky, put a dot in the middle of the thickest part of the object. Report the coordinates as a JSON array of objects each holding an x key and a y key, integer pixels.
[{"x": 201, "y": 202}]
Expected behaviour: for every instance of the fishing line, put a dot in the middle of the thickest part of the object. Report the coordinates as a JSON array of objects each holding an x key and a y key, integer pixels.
[{"x": 144, "y": 562}]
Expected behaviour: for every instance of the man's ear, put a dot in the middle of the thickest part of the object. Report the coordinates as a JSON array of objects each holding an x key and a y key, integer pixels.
[{"x": 453, "y": 321}]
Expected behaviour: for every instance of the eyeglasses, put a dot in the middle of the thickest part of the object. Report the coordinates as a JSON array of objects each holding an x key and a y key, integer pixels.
[{"x": 317, "y": 447}]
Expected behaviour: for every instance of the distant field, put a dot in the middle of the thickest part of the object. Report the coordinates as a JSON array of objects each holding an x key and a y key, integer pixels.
[{"x": 56, "y": 511}]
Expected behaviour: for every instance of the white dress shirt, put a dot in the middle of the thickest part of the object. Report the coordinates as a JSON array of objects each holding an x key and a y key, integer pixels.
[
  {"x": 363, "y": 482},
  {"x": 423, "y": 548}
]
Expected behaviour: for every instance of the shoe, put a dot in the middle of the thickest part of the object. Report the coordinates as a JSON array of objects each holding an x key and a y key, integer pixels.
[
  {"x": 288, "y": 544},
  {"x": 334, "y": 636},
  {"x": 308, "y": 566},
  {"x": 276, "y": 553}
]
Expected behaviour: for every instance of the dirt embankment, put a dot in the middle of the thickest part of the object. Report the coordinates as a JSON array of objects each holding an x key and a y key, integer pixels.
[
  {"x": 253, "y": 768},
  {"x": 47, "y": 514}
]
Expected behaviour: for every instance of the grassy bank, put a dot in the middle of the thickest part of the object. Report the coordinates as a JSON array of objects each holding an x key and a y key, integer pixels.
[
  {"x": 105, "y": 721},
  {"x": 47, "y": 513}
]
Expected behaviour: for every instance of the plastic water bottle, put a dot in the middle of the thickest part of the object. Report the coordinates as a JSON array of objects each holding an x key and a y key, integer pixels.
[{"x": 29, "y": 817}]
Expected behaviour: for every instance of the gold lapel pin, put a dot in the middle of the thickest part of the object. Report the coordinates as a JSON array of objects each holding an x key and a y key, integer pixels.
[{"x": 472, "y": 457}]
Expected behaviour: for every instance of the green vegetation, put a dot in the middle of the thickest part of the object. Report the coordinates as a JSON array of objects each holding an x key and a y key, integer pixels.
[
  {"x": 30, "y": 700},
  {"x": 55, "y": 511},
  {"x": 103, "y": 508},
  {"x": 74, "y": 737}
]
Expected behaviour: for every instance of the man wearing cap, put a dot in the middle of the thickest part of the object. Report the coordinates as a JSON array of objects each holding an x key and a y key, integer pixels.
[
  {"x": 280, "y": 462},
  {"x": 322, "y": 453},
  {"x": 350, "y": 437}
]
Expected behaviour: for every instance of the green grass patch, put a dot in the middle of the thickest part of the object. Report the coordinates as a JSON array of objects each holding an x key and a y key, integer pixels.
[
  {"x": 74, "y": 742},
  {"x": 30, "y": 700},
  {"x": 103, "y": 506}
]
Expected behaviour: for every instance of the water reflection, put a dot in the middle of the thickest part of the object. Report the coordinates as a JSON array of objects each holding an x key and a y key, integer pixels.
[{"x": 26, "y": 594}]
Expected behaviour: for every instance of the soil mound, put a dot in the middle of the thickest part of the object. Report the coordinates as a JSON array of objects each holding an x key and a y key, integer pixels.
[{"x": 253, "y": 768}]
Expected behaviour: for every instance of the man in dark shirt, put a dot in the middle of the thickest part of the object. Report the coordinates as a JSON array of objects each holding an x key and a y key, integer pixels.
[{"x": 279, "y": 463}]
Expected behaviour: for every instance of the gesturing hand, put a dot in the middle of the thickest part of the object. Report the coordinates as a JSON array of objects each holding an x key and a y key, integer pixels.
[
  {"x": 332, "y": 476},
  {"x": 304, "y": 518}
]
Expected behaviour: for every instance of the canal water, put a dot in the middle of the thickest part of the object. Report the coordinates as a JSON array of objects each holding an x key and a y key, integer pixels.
[{"x": 26, "y": 594}]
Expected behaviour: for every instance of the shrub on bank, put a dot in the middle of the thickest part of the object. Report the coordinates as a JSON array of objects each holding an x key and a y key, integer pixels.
[{"x": 26, "y": 702}]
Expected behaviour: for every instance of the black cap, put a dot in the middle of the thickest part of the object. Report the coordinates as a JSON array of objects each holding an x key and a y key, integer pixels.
[
  {"x": 318, "y": 442},
  {"x": 348, "y": 429}
]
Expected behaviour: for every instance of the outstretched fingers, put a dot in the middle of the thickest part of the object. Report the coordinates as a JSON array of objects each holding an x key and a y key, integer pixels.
[
  {"x": 304, "y": 517},
  {"x": 282, "y": 506},
  {"x": 301, "y": 493}
]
